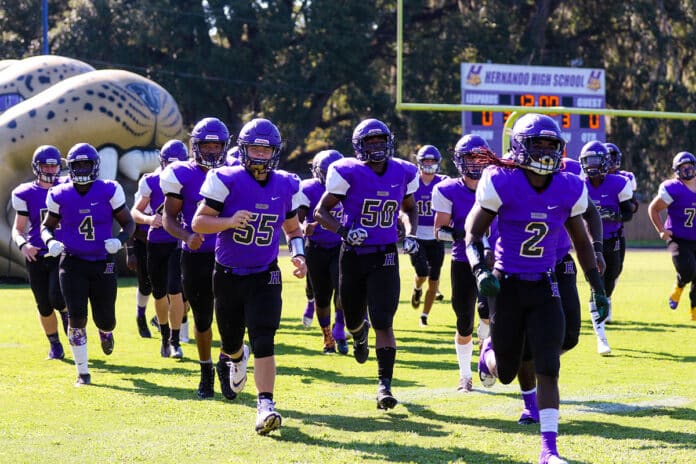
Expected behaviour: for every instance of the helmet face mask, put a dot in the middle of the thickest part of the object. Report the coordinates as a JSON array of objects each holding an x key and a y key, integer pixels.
[
  {"x": 372, "y": 141},
  {"x": 594, "y": 159},
  {"x": 536, "y": 144},
  {"x": 321, "y": 163},
  {"x": 210, "y": 130},
  {"x": 46, "y": 163},
  {"x": 684, "y": 165},
  {"x": 471, "y": 156},
  {"x": 431, "y": 154},
  {"x": 259, "y": 132},
  {"x": 614, "y": 157},
  {"x": 83, "y": 164}
]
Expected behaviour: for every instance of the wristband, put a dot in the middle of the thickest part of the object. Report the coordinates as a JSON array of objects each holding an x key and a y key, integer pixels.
[
  {"x": 46, "y": 235},
  {"x": 445, "y": 234},
  {"x": 123, "y": 237},
  {"x": 598, "y": 247},
  {"x": 474, "y": 253},
  {"x": 20, "y": 241},
  {"x": 486, "y": 244},
  {"x": 23, "y": 243},
  {"x": 342, "y": 231},
  {"x": 297, "y": 247}
]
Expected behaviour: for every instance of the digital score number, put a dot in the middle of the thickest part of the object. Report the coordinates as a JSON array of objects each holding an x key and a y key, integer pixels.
[{"x": 509, "y": 85}]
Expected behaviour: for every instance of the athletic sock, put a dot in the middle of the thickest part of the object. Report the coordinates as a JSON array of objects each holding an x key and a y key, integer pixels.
[
  {"x": 385, "y": 362},
  {"x": 464, "y": 358}
]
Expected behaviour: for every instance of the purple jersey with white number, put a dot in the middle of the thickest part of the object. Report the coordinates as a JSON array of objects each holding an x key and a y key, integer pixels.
[
  {"x": 681, "y": 209},
  {"x": 426, "y": 216},
  {"x": 270, "y": 203},
  {"x": 149, "y": 187},
  {"x": 86, "y": 219},
  {"x": 371, "y": 201},
  {"x": 311, "y": 192},
  {"x": 183, "y": 179},
  {"x": 29, "y": 199},
  {"x": 613, "y": 190},
  {"x": 564, "y": 244},
  {"x": 529, "y": 221},
  {"x": 453, "y": 197}
]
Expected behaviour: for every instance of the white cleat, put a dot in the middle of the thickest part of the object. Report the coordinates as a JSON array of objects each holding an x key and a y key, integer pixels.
[
  {"x": 238, "y": 374},
  {"x": 603, "y": 346},
  {"x": 267, "y": 418}
]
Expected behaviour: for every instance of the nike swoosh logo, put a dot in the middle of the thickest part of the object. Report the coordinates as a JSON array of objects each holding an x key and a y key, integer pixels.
[
  {"x": 274, "y": 198},
  {"x": 395, "y": 185},
  {"x": 552, "y": 207},
  {"x": 237, "y": 384},
  {"x": 94, "y": 204},
  {"x": 604, "y": 196}
]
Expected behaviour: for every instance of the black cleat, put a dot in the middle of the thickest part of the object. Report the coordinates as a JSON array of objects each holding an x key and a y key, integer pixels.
[
  {"x": 416, "y": 298},
  {"x": 205, "y": 386},
  {"x": 143, "y": 329},
  {"x": 223, "y": 373},
  {"x": 107, "y": 342},
  {"x": 385, "y": 399},
  {"x": 360, "y": 348},
  {"x": 83, "y": 379},
  {"x": 439, "y": 296},
  {"x": 155, "y": 323}
]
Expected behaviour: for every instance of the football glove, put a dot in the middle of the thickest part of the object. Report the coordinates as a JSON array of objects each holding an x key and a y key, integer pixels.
[
  {"x": 411, "y": 245},
  {"x": 55, "y": 248},
  {"x": 356, "y": 237},
  {"x": 486, "y": 282},
  {"x": 601, "y": 306},
  {"x": 112, "y": 245}
]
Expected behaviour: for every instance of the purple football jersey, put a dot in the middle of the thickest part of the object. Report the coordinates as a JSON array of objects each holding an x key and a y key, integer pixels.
[
  {"x": 426, "y": 215},
  {"x": 86, "y": 220},
  {"x": 185, "y": 178},
  {"x": 453, "y": 197},
  {"x": 370, "y": 200},
  {"x": 631, "y": 178},
  {"x": 29, "y": 199},
  {"x": 564, "y": 244},
  {"x": 529, "y": 221},
  {"x": 149, "y": 187},
  {"x": 270, "y": 203},
  {"x": 612, "y": 191},
  {"x": 681, "y": 209},
  {"x": 311, "y": 191}
]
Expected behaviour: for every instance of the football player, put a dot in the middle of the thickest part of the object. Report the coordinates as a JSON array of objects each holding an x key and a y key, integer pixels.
[
  {"x": 85, "y": 208},
  {"x": 247, "y": 206},
  {"x": 181, "y": 184},
  {"x": 372, "y": 187},
  {"x": 29, "y": 202},
  {"x": 533, "y": 203},
  {"x": 322, "y": 249},
  {"x": 678, "y": 196},
  {"x": 452, "y": 201},
  {"x": 427, "y": 262},
  {"x": 612, "y": 195},
  {"x": 163, "y": 251}
]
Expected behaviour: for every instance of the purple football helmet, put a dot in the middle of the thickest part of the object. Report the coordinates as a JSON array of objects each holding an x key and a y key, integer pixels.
[
  {"x": 83, "y": 163},
  {"x": 615, "y": 156},
  {"x": 428, "y": 152},
  {"x": 527, "y": 132},
  {"x": 321, "y": 162},
  {"x": 594, "y": 159},
  {"x": 209, "y": 130},
  {"x": 373, "y": 151},
  {"x": 472, "y": 155},
  {"x": 261, "y": 132},
  {"x": 45, "y": 154},
  {"x": 680, "y": 159},
  {"x": 173, "y": 150}
]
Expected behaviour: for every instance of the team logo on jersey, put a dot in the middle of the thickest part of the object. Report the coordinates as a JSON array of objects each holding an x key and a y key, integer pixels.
[
  {"x": 274, "y": 278},
  {"x": 109, "y": 268},
  {"x": 539, "y": 215},
  {"x": 84, "y": 211},
  {"x": 381, "y": 193},
  {"x": 261, "y": 206},
  {"x": 389, "y": 259}
]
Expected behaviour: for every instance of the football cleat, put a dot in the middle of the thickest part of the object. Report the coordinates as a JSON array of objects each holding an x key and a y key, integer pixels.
[
  {"x": 675, "y": 296},
  {"x": 439, "y": 296},
  {"x": 342, "y": 346},
  {"x": 238, "y": 372},
  {"x": 165, "y": 349},
  {"x": 487, "y": 379},
  {"x": 465, "y": 385},
  {"x": 528, "y": 418},
  {"x": 107, "y": 342},
  {"x": 206, "y": 385},
  {"x": 360, "y": 348},
  {"x": 223, "y": 372},
  {"x": 155, "y": 323},
  {"x": 416, "y": 298},
  {"x": 143, "y": 329},
  {"x": 56, "y": 351},
  {"x": 423, "y": 320},
  {"x": 603, "y": 346},
  {"x": 308, "y": 315},
  {"x": 267, "y": 418},
  {"x": 548, "y": 457},
  {"x": 177, "y": 352},
  {"x": 385, "y": 399},
  {"x": 83, "y": 379}
]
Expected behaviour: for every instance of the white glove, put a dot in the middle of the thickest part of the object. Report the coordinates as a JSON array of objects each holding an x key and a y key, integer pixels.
[
  {"x": 112, "y": 245},
  {"x": 410, "y": 245},
  {"x": 55, "y": 248},
  {"x": 355, "y": 237}
]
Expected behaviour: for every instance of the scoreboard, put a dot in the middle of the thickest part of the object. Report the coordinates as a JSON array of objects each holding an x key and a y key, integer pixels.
[{"x": 512, "y": 85}]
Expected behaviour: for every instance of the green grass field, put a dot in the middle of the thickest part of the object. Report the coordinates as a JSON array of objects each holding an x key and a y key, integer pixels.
[{"x": 636, "y": 406}]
